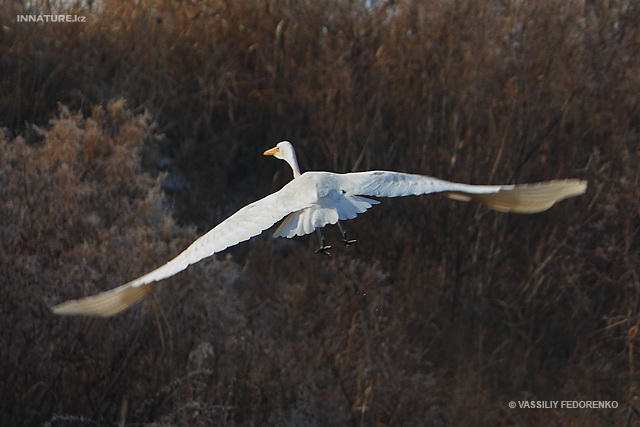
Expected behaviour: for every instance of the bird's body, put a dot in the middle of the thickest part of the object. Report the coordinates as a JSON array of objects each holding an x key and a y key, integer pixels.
[{"x": 313, "y": 200}]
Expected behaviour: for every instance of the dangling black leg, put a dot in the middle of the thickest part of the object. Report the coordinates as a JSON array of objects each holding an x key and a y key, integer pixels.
[
  {"x": 345, "y": 240},
  {"x": 323, "y": 248}
]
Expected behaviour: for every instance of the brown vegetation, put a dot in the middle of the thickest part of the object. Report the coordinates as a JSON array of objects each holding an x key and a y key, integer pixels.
[{"x": 442, "y": 313}]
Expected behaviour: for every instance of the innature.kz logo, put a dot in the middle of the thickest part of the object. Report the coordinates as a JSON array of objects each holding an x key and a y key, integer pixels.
[{"x": 51, "y": 18}]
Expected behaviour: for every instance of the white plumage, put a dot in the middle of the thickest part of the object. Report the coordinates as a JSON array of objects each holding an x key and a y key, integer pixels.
[{"x": 311, "y": 201}]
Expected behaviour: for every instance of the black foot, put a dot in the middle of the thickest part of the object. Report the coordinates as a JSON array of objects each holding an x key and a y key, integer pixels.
[
  {"x": 345, "y": 239},
  {"x": 324, "y": 249},
  {"x": 348, "y": 242}
]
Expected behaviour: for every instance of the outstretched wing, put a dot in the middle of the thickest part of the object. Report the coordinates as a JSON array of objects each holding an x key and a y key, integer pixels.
[
  {"x": 522, "y": 198},
  {"x": 241, "y": 226}
]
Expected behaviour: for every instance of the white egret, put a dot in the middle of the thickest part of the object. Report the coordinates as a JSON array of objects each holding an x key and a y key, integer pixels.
[{"x": 311, "y": 201}]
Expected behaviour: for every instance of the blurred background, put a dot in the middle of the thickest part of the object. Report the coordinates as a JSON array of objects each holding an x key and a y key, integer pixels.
[{"x": 126, "y": 136}]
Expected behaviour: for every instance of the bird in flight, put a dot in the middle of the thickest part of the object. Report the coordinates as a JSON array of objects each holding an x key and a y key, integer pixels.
[{"x": 311, "y": 201}]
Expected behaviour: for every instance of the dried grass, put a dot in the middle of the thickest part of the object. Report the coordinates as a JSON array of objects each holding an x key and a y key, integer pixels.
[{"x": 464, "y": 309}]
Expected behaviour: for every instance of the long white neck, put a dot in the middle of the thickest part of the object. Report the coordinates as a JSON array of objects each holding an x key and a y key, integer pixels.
[{"x": 293, "y": 162}]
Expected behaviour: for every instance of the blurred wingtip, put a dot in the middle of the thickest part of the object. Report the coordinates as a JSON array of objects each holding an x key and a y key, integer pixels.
[
  {"x": 105, "y": 304},
  {"x": 532, "y": 198}
]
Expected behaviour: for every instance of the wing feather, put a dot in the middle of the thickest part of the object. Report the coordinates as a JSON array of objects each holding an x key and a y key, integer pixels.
[
  {"x": 523, "y": 198},
  {"x": 249, "y": 221}
]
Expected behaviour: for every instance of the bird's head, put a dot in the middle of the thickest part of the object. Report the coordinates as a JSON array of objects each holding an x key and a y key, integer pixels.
[{"x": 284, "y": 150}]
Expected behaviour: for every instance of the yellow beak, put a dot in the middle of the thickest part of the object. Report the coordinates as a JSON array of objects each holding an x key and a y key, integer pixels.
[{"x": 271, "y": 151}]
